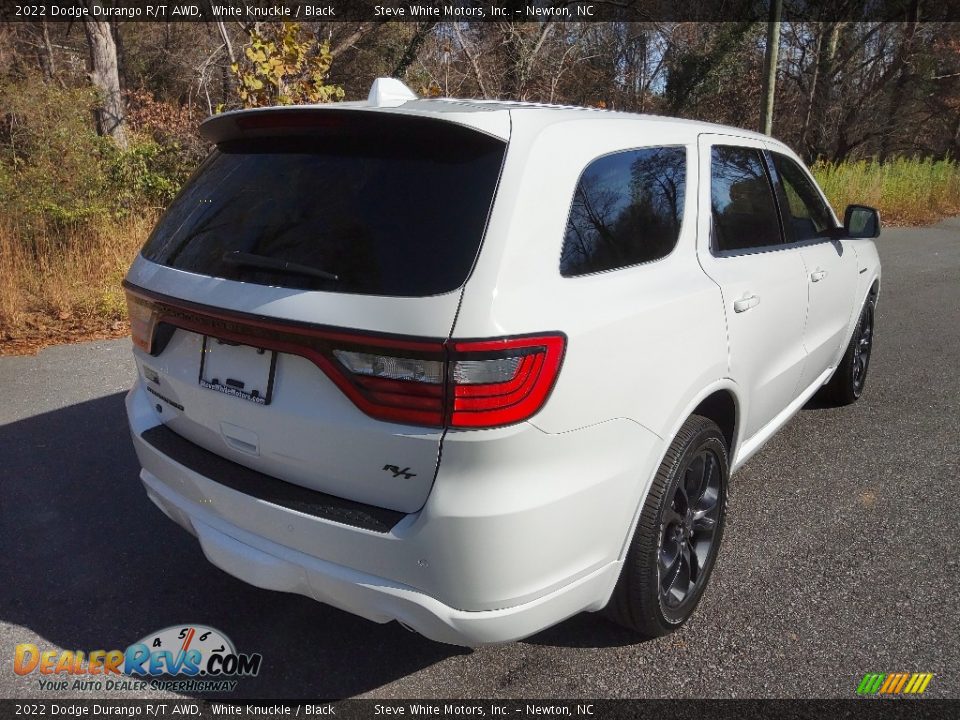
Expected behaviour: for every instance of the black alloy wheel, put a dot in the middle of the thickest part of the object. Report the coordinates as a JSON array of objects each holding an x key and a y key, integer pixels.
[
  {"x": 688, "y": 532},
  {"x": 846, "y": 385},
  {"x": 861, "y": 349},
  {"x": 678, "y": 534}
]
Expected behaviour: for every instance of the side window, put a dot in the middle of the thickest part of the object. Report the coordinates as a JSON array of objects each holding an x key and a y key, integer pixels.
[
  {"x": 744, "y": 210},
  {"x": 626, "y": 210},
  {"x": 807, "y": 216}
]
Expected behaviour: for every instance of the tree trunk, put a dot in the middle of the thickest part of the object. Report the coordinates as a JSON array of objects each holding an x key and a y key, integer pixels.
[
  {"x": 805, "y": 129},
  {"x": 956, "y": 136},
  {"x": 472, "y": 57},
  {"x": 413, "y": 47},
  {"x": 105, "y": 76},
  {"x": 823, "y": 92},
  {"x": 49, "y": 66},
  {"x": 229, "y": 81},
  {"x": 903, "y": 61}
]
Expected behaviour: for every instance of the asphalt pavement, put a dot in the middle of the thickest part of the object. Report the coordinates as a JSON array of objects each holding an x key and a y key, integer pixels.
[{"x": 840, "y": 555}]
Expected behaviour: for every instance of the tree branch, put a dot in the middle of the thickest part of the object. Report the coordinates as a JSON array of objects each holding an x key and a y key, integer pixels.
[{"x": 472, "y": 58}]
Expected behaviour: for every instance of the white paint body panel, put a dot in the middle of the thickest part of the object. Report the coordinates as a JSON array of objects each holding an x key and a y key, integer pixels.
[{"x": 526, "y": 525}]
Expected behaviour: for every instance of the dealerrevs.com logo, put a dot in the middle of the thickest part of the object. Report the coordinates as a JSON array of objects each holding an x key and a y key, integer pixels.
[{"x": 180, "y": 658}]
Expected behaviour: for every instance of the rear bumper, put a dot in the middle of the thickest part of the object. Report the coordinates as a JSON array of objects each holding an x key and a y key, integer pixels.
[
  {"x": 510, "y": 541},
  {"x": 271, "y": 566}
]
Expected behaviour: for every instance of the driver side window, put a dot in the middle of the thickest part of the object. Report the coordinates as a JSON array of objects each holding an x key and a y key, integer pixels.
[{"x": 806, "y": 215}]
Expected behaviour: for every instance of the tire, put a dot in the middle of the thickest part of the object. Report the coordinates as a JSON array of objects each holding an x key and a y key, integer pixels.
[
  {"x": 846, "y": 385},
  {"x": 669, "y": 536}
]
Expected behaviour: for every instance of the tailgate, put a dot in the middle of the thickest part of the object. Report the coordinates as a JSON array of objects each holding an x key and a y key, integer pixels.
[
  {"x": 290, "y": 307},
  {"x": 280, "y": 413}
]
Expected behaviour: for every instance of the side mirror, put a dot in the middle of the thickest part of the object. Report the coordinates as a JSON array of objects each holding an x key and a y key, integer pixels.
[{"x": 861, "y": 221}]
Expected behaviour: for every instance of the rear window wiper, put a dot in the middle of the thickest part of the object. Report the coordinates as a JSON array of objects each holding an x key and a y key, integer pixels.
[{"x": 263, "y": 262}]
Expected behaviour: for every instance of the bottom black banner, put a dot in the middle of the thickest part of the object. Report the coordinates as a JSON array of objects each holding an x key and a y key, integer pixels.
[{"x": 586, "y": 709}]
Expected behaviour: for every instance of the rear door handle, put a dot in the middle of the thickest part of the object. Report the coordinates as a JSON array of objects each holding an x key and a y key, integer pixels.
[
  {"x": 745, "y": 303},
  {"x": 818, "y": 275}
]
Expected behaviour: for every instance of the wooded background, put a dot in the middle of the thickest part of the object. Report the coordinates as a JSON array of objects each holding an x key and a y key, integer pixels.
[
  {"x": 845, "y": 89},
  {"x": 98, "y": 120}
]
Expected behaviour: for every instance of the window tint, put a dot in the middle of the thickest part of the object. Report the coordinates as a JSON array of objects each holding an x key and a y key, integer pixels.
[
  {"x": 627, "y": 209},
  {"x": 807, "y": 215},
  {"x": 391, "y": 207},
  {"x": 744, "y": 211}
]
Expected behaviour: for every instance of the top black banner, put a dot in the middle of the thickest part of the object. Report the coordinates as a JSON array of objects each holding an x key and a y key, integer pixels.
[{"x": 532, "y": 11}]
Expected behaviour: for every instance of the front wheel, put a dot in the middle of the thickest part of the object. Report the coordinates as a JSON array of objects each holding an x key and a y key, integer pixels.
[
  {"x": 675, "y": 544},
  {"x": 846, "y": 385}
]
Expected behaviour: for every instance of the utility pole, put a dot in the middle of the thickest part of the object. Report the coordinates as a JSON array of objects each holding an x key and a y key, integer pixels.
[{"x": 770, "y": 67}]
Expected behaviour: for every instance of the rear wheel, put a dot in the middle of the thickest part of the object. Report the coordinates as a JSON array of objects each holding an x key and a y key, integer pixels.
[
  {"x": 846, "y": 385},
  {"x": 675, "y": 544}
]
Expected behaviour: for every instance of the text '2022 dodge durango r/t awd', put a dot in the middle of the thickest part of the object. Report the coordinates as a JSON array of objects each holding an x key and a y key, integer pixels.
[{"x": 479, "y": 366}]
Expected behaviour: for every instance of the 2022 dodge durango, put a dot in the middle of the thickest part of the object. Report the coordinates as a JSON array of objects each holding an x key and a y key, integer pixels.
[{"x": 480, "y": 366}]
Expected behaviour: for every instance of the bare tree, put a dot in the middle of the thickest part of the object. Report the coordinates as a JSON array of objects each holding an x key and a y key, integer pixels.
[
  {"x": 821, "y": 100},
  {"x": 901, "y": 68}
]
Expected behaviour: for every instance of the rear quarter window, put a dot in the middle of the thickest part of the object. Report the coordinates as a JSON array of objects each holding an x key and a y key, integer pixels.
[{"x": 627, "y": 209}]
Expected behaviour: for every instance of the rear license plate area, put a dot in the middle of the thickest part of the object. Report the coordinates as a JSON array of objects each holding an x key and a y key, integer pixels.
[{"x": 242, "y": 371}]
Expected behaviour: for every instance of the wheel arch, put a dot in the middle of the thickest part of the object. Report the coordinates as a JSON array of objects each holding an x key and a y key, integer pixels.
[
  {"x": 720, "y": 406},
  {"x": 720, "y": 399},
  {"x": 870, "y": 293}
]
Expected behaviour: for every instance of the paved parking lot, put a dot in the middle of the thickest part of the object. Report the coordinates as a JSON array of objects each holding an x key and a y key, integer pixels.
[{"x": 840, "y": 555}]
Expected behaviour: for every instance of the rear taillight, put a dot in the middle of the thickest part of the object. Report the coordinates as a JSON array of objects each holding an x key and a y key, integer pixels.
[
  {"x": 461, "y": 384},
  {"x": 143, "y": 320},
  {"x": 501, "y": 382},
  {"x": 434, "y": 383},
  {"x": 391, "y": 387}
]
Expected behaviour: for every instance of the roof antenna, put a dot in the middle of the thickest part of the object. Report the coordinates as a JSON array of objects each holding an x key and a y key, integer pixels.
[{"x": 389, "y": 92}]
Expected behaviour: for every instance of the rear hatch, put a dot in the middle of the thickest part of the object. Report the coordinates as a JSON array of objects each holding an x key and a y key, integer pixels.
[{"x": 309, "y": 270}]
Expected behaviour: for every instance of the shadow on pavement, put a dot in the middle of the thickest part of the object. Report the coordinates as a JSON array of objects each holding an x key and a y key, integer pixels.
[
  {"x": 89, "y": 563},
  {"x": 586, "y": 630}
]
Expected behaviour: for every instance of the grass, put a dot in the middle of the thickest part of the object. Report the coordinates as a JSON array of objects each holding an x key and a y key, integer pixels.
[
  {"x": 63, "y": 284},
  {"x": 907, "y": 191}
]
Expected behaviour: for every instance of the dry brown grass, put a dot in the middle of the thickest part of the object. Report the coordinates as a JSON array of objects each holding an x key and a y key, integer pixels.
[
  {"x": 65, "y": 285},
  {"x": 906, "y": 191}
]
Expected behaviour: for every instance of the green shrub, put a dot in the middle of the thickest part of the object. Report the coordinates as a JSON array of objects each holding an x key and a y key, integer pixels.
[
  {"x": 56, "y": 172},
  {"x": 51, "y": 161},
  {"x": 145, "y": 174}
]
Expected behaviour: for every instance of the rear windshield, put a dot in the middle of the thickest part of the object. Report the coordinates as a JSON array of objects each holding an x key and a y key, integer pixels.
[{"x": 393, "y": 206}]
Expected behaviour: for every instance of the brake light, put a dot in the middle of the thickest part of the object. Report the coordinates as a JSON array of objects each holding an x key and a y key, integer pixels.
[
  {"x": 501, "y": 382},
  {"x": 472, "y": 384},
  {"x": 143, "y": 320},
  {"x": 390, "y": 387}
]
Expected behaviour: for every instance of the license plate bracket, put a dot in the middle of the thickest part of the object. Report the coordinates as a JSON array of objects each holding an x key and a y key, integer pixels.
[{"x": 242, "y": 371}]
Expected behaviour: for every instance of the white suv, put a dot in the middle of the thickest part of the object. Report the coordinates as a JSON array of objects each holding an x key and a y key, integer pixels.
[{"x": 479, "y": 366}]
